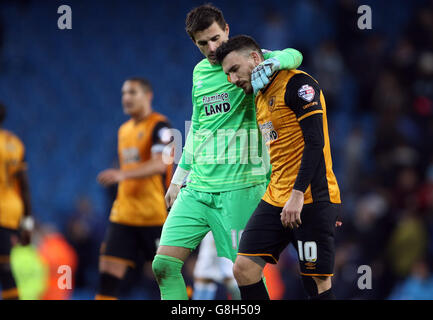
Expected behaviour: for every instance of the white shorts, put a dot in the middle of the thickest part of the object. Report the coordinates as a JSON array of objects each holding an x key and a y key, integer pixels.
[{"x": 209, "y": 265}]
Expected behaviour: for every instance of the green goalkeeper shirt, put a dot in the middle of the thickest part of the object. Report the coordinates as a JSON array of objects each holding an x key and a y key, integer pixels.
[{"x": 224, "y": 146}]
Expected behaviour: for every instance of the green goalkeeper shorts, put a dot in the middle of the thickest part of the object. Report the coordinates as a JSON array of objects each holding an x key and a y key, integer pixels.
[{"x": 195, "y": 213}]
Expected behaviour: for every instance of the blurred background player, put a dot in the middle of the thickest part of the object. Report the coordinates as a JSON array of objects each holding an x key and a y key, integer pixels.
[
  {"x": 15, "y": 211},
  {"x": 211, "y": 270},
  {"x": 222, "y": 189},
  {"x": 139, "y": 210}
]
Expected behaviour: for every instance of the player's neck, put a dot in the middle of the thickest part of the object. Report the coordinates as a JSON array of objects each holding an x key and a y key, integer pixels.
[{"x": 142, "y": 115}]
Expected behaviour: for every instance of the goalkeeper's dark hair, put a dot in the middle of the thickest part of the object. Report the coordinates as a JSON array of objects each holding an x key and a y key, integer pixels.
[
  {"x": 202, "y": 17},
  {"x": 144, "y": 83},
  {"x": 2, "y": 113},
  {"x": 237, "y": 43}
]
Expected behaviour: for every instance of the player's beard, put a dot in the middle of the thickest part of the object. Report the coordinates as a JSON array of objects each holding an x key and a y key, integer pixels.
[
  {"x": 212, "y": 58},
  {"x": 249, "y": 88},
  {"x": 245, "y": 86}
]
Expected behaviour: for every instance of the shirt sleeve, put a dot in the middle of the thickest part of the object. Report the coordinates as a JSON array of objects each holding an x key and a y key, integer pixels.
[
  {"x": 303, "y": 97},
  {"x": 18, "y": 162},
  {"x": 187, "y": 154},
  {"x": 186, "y": 159},
  {"x": 22, "y": 164},
  {"x": 289, "y": 58},
  {"x": 161, "y": 136}
]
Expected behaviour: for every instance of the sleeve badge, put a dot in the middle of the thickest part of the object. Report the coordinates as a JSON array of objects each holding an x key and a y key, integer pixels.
[{"x": 306, "y": 92}]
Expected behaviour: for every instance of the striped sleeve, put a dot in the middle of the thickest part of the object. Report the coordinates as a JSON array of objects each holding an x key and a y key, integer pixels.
[{"x": 303, "y": 96}]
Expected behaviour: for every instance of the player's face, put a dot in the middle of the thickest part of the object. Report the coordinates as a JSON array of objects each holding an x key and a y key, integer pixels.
[
  {"x": 210, "y": 39},
  {"x": 238, "y": 66},
  {"x": 135, "y": 99}
]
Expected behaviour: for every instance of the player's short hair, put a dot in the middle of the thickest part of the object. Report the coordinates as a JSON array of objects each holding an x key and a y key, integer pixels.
[
  {"x": 237, "y": 43},
  {"x": 202, "y": 17},
  {"x": 2, "y": 113},
  {"x": 144, "y": 83}
]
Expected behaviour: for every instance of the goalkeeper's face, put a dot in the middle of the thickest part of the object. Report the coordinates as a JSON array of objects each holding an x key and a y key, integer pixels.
[
  {"x": 238, "y": 66},
  {"x": 136, "y": 100},
  {"x": 210, "y": 39}
]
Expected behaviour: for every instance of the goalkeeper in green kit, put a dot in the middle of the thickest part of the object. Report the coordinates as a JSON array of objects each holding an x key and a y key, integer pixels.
[{"x": 222, "y": 157}]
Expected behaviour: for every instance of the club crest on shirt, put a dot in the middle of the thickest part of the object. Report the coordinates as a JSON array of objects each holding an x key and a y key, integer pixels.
[
  {"x": 199, "y": 84},
  {"x": 271, "y": 104},
  {"x": 306, "y": 92}
]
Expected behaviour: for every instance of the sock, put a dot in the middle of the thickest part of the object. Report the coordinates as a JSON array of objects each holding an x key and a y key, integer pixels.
[
  {"x": 204, "y": 291},
  {"x": 310, "y": 286},
  {"x": 108, "y": 287},
  {"x": 167, "y": 271},
  {"x": 233, "y": 289},
  {"x": 9, "y": 287},
  {"x": 312, "y": 290},
  {"x": 325, "y": 295},
  {"x": 256, "y": 291}
]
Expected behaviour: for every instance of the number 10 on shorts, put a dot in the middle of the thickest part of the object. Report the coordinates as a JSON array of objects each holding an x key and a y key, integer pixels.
[{"x": 307, "y": 250}]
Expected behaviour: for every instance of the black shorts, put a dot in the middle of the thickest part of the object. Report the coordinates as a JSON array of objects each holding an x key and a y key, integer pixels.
[
  {"x": 130, "y": 244},
  {"x": 6, "y": 243},
  {"x": 265, "y": 236}
]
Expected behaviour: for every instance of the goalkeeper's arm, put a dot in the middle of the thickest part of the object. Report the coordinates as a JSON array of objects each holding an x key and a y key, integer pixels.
[{"x": 274, "y": 61}]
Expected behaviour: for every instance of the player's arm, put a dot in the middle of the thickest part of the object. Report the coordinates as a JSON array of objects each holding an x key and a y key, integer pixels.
[
  {"x": 185, "y": 164},
  {"x": 23, "y": 182},
  {"x": 27, "y": 222},
  {"x": 151, "y": 167},
  {"x": 303, "y": 96},
  {"x": 161, "y": 137},
  {"x": 288, "y": 58},
  {"x": 186, "y": 160},
  {"x": 180, "y": 174},
  {"x": 274, "y": 60}
]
